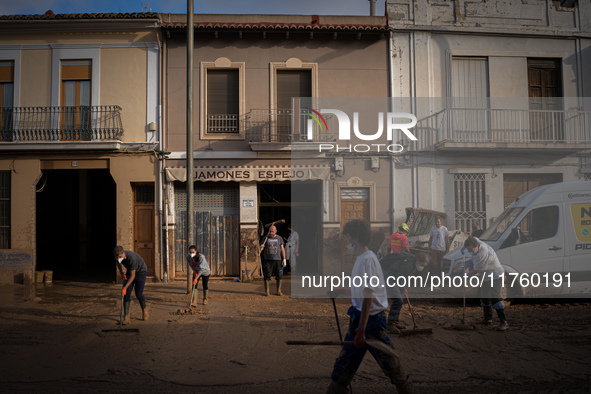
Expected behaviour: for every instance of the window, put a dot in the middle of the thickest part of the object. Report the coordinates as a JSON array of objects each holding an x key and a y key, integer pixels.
[
  {"x": 290, "y": 84},
  {"x": 470, "y": 200},
  {"x": 538, "y": 224},
  {"x": 76, "y": 76},
  {"x": 470, "y": 89},
  {"x": 223, "y": 97},
  {"x": 5, "y": 209},
  {"x": 545, "y": 85},
  {"x": 6, "y": 99}
]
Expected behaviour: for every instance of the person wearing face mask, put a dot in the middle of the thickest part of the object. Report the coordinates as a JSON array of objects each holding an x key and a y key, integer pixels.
[
  {"x": 367, "y": 316},
  {"x": 198, "y": 263},
  {"x": 486, "y": 264},
  {"x": 133, "y": 279}
]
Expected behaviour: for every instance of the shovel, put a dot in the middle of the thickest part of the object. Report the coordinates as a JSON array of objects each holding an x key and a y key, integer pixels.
[
  {"x": 192, "y": 292},
  {"x": 120, "y": 329},
  {"x": 374, "y": 343}
]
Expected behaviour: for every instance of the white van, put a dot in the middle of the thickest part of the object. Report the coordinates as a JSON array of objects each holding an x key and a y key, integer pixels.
[{"x": 543, "y": 240}]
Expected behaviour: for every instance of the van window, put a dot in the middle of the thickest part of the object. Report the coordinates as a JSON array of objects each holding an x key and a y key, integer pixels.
[
  {"x": 498, "y": 227},
  {"x": 538, "y": 224}
]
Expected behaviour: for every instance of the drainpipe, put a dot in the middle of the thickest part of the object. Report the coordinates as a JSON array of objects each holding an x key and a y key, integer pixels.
[
  {"x": 160, "y": 183},
  {"x": 190, "y": 226},
  {"x": 392, "y": 162}
]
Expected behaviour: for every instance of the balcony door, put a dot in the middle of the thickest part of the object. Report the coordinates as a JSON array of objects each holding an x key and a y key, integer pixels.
[
  {"x": 223, "y": 101},
  {"x": 76, "y": 76},
  {"x": 6, "y": 99},
  {"x": 545, "y": 89},
  {"x": 290, "y": 84},
  {"x": 469, "y": 119}
]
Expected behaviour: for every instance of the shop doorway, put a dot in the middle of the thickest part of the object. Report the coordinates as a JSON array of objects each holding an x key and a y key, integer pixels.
[
  {"x": 76, "y": 221},
  {"x": 299, "y": 204}
]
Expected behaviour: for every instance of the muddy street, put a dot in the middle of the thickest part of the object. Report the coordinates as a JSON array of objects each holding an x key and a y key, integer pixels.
[{"x": 52, "y": 340}]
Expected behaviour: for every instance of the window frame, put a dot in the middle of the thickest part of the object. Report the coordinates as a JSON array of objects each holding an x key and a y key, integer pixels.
[
  {"x": 221, "y": 63},
  {"x": 291, "y": 64}
]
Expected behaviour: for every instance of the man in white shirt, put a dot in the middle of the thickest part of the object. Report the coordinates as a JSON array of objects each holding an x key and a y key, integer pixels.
[
  {"x": 438, "y": 244},
  {"x": 368, "y": 315},
  {"x": 487, "y": 265}
]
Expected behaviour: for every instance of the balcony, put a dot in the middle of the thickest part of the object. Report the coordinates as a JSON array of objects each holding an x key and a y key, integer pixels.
[
  {"x": 222, "y": 123},
  {"x": 267, "y": 129},
  {"x": 473, "y": 128},
  {"x": 55, "y": 124}
]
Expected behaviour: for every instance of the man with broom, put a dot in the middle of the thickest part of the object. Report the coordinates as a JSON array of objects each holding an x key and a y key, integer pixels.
[
  {"x": 134, "y": 279},
  {"x": 368, "y": 316}
]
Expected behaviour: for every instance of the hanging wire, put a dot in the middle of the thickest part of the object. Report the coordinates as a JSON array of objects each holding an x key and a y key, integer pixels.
[
  {"x": 270, "y": 196},
  {"x": 44, "y": 182}
]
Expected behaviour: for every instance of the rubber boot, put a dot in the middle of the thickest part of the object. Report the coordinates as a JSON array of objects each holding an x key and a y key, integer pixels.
[
  {"x": 406, "y": 387},
  {"x": 205, "y": 296},
  {"x": 145, "y": 314},
  {"x": 267, "y": 288},
  {"x": 488, "y": 310},
  {"x": 503, "y": 318},
  {"x": 335, "y": 388},
  {"x": 279, "y": 293},
  {"x": 194, "y": 302},
  {"x": 126, "y": 317}
]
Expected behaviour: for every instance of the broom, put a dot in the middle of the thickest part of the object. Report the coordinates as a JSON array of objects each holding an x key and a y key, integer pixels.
[
  {"x": 463, "y": 326},
  {"x": 415, "y": 330}
]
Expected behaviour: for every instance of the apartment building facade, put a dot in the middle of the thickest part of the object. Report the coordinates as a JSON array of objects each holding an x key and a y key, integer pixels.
[
  {"x": 79, "y": 142},
  {"x": 501, "y": 91}
]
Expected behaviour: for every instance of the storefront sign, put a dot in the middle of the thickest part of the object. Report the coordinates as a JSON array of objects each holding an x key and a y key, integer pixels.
[{"x": 251, "y": 173}]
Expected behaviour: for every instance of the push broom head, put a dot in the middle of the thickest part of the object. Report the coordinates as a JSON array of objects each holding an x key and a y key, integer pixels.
[{"x": 415, "y": 331}]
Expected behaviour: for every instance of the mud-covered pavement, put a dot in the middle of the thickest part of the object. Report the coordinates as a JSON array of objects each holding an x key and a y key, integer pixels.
[{"x": 51, "y": 340}]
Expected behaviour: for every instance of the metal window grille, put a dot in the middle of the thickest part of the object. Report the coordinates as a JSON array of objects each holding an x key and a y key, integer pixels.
[
  {"x": 470, "y": 200},
  {"x": 215, "y": 197},
  {"x": 354, "y": 194},
  {"x": 587, "y": 177},
  {"x": 5, "y": 209}
]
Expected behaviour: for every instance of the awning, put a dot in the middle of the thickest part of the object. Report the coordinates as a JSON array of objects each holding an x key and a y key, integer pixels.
[{"x": 250, "y": 173}]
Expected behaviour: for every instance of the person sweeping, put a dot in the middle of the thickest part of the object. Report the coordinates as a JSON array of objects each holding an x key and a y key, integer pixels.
[
  {"x": 135, "y": 279},
  {"x": 201, "y": 270}
]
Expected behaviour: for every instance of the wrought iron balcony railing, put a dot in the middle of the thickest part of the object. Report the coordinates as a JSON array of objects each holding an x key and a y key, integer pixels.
[
  {"x": 85, "y": 123},
  {"x": 227, "y": 123},
  {"x": 507, "y": 126},
  {"x": 279, "y": 126}
]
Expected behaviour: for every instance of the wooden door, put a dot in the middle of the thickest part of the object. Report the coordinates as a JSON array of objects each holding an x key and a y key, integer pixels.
[
  {"x": 545, "y": 87},
  {"x": 143, "y": 224},
  {"x": 354, "y": 205},
  {"x": 354, "y": 209},
  {"x": 514, "y": 185}
]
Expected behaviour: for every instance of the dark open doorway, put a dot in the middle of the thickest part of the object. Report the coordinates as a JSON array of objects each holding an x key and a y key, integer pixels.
[
  {"x": 299, "y": 204},
  {"x": 76, "y": 221}
]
